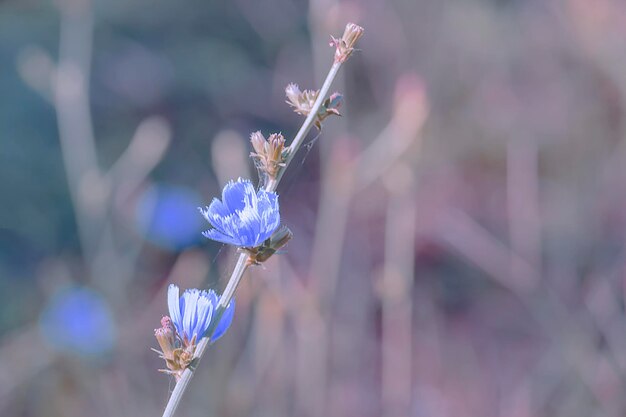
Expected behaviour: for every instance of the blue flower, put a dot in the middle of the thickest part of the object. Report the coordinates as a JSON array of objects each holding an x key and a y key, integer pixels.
[
  {"x": 244, "y": 217},
  {"x": 192, "y": 313},
  {"x": 166, "y": 216},
  {"x": 79, "y": 320}
]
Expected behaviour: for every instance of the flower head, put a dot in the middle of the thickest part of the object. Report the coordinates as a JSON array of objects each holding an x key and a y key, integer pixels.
[
  {"x": 191, "y": 317},
  {"x": 192, "y": 312},
  {"x": 244, "y": 217}
]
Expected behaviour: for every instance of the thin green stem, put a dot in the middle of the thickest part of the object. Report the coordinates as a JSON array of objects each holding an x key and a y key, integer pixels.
[{"x": 243, "y": 261}]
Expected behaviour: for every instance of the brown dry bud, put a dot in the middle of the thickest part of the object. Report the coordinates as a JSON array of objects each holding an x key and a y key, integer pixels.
[
  {"x": 258, "y": 142},
  {"x": 292, "y": 91},
  {"x": 301, "y": 101},
  {"x": 165, "y": 335},
  {"x": 268, "y": 153},
  {"x": 177, "y": 359},
  {"x": 345, "y": 45}
]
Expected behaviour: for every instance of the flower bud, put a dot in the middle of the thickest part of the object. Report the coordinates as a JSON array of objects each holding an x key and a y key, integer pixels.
[
  {"x": 292, "y": 91},
  {"x": 268, "y": 155},
  {"x": 275, "y": 147},
  {"x": 329, "y": 107},
  {"x": 351, "y": 34},
  {"x": 334, "y": 101},
  {"x": 345, "y": 45},
  {"x": 301, "y": 101},
  {"x": 166, "y": 336},
  {"x": 258, "y": 142}
]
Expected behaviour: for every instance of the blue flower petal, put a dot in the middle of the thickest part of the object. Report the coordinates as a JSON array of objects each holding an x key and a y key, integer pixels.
[
  {"x": 215, "y": 213},
  {"x": 249, "y": 227},
  {"x": 270, "y": 218},
  {"x": 173, "y": 304},
  {"x": 190, "y": 316},
  {"x": 234, "y": 194},
  {"x": 213, "y": 297},
  {"x": 215, "y": 234},
  {"x": 204, "y": 313},
  {"x": 217, "y": 209},
  {"x": 269, "y": 196},
  {"x": 226, "y": 320}
]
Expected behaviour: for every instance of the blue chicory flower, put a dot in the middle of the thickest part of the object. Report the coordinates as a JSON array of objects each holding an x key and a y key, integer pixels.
[
  {"x": 244, "y": 217},
  {"x": 192, "y": 312}
]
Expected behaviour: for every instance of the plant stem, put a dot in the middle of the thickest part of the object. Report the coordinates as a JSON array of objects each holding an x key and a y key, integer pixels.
[
  {"x": 242, "y": 262},
  {"x": 306, "y": 126}
]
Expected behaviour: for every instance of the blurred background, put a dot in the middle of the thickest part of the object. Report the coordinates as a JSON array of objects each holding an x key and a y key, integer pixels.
[{"x": 459, "y": 232}]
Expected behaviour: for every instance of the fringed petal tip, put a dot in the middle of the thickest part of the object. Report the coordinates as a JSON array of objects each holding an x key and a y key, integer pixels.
[{"x": 218, "y": 236}]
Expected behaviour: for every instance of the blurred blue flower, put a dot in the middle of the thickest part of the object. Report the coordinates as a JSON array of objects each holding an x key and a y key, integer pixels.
[
  {"x": 166, "y": 216},
  {"x": 78, "y": 320},
  {"x": 192, "y": 313},
  {"x": 244, "y": 217}
]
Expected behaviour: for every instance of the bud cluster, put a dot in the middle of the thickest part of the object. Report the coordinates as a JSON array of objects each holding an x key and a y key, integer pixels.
[
  {"x": 177, "y": 355},
  {"x": 268, "y": 153},
  {"x": 345, "y": 46},
  {"x": 303, "y": 102}
]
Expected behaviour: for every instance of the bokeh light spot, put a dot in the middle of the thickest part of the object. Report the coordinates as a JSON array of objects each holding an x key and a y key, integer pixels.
[
  {"x": 78, "y": 320},
  {"x": 168, "y": 216}
]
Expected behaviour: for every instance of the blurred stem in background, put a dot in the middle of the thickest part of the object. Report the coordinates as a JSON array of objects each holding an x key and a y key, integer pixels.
[
  {"x": 70, "y": 86},
  {"x": 523, "y": 209},
  {"x": 109, "y": 258},
  {"x": 396, "y": 291},
  {"x": 339, "y": 187}
]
